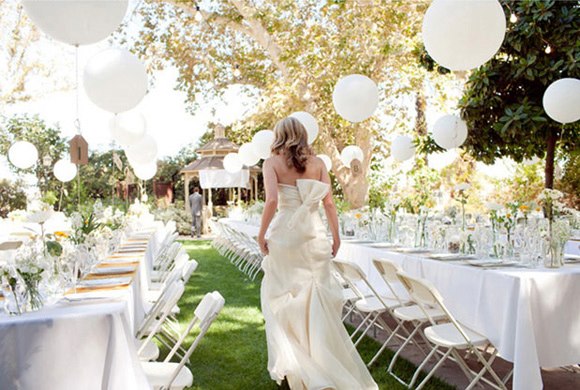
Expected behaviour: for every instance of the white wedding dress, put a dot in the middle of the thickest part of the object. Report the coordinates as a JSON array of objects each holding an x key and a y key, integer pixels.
[{"x": 302, "y": 302}]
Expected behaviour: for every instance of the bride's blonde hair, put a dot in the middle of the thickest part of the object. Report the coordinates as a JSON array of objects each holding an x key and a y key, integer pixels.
[{"x": 291, "y": 141}]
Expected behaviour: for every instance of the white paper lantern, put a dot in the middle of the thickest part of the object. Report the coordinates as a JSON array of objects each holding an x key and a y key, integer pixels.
[
  {"x": 247, "y": 155},
  {"x": 232, "y": 163},
  {"x": 402, "y": 148},
  {"x": 355, "y": 97},
  {"x": 128, "y": 128},
  {"x": 145, "y": 171},
  {"x": 64, "y": 170},
  {"x": 142, "y": 152},
  {"x": 562, "y": 100},
  {"x": 462, "y": 35},
  {"x": 309, "y": 123},
  {"x": 450, "y": 132},
  {"x": 350, "y": 153},
  {"x": 262, "y": 143},
  {"x": 115, "y": 80},
  {"x": 77, "y": 22},
  {"x": 22, "y": 154},
  {"x": 327, "y": 161}
]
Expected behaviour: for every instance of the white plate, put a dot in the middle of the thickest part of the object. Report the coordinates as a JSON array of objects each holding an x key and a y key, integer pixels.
[
  {"x": 412, "y": 250},
  {"x": 384, "y": 245},
  {"x": 491, "y": 263},
  {"x": 451, "y": 256},
  {"x": 112, "y": 270},
  {"x": 112, "y": 282}
]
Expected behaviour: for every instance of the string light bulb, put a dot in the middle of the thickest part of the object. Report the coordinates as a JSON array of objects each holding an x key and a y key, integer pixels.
[
  {"x": 548, "y": 49},
  {"x": 513, "y": 18},
  {"x": 237, "y": 72},
  {"x": 198, "y": 16}
]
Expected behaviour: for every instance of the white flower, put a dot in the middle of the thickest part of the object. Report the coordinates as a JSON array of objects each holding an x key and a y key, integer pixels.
[
  {"x": 40, "y": 216},
  {"x": 462, "y": 187},
  {"x": 493, "y": 206}
]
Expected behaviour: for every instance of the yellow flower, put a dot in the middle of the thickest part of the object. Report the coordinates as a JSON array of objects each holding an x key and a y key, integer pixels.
[
  {"x": 60, "y": 234},
  {"x": 358, "y": 215},
  {"x": 524, "y": 208},
  {"x": 508, "y": 215}
]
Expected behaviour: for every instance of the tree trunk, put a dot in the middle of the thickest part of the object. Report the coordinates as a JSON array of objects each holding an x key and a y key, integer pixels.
[
  {"x": 355, "y": 191},
  {"x": 421, "y": 122},
  {"x": 551, "y": 150}
]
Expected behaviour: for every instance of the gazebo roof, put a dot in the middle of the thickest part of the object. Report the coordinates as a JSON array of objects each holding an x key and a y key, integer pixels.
[
  {"x": 213, "y": 153},
  {"x": 220, "y": 145}
]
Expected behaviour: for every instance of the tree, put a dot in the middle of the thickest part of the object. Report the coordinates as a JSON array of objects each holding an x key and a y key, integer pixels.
[
  {"x": 293, "y": 52},
  {"x": 23, "y": 73},
  {"x": 48, "y": 142},
  {"x": 502, "y": 103},
  {"x": 12, "y": 197}
]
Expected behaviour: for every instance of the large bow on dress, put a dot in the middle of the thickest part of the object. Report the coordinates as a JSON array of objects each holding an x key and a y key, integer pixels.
[{"x": 311, "y": 192}]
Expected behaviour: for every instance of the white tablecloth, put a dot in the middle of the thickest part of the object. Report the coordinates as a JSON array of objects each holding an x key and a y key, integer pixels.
[
  {"x": 79, "y": 345},
  {"x": 531, "y": 316}
]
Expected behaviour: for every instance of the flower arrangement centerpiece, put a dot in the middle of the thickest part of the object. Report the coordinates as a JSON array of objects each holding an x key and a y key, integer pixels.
[
  {"x": 392, "y": 209},
  {"x": 559, "y": 229},
  {"x": 503, "y": 219},
  {"x": 460, "y": 195},
  {"x": 21, "y": 279}
]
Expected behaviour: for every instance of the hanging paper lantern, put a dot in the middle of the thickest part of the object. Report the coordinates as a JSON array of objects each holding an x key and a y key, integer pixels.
[
  {"x": 77, "y": 22},
  {"x": 22, "y": 154},
  {"x": 115, "y": 80},
  {"x": 350, "y": 153},
  {"x": 247, "y": 155},
  {"x": 450, "y": 131},
  {"x": 355, "y": 97},
  {"x": 562, "y": 100},
  {"x": 64, "y": 170},
  {"x": 128, "y": 128},
  {"x": 145, "y": 171},
  {"x": 327, "y": 161},
  {"x": 262, "y": 143},
  {"x": 232, "y": 163},
  {"x": 402, "y": 148},
  {"x": 143, "y": 152},
  {"x": 309, "y": 123},
  {"x": 462, "y": 35}
]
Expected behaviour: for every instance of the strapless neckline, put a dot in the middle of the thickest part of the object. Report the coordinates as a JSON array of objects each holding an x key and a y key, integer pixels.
[{"x": 297, "y": 180}]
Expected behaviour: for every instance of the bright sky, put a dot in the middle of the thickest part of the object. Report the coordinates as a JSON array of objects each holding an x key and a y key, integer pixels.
[{"x": 164, "y": 108}]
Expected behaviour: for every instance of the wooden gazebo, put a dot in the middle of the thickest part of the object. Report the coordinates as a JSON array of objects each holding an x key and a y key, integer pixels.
[{"x": 211, "y": 158}]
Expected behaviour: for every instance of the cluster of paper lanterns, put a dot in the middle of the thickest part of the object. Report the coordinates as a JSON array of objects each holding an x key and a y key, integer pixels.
[
  {"x": 114, "y": 79},
  {"x": 23, "y": 155}
]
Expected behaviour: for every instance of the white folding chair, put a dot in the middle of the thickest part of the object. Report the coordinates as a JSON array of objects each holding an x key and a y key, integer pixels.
[
  {"x": 374, "y": 305},
  {"x": 450, "y": 335},
  {"x": 154, "y": 320},
  {"x": 168, "y": 375}
]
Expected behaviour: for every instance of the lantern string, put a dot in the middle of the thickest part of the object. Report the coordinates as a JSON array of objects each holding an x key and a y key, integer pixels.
[{"x": 77, "y": 121}]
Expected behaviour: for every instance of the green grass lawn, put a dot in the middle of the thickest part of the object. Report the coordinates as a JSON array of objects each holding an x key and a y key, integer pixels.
[{"x": 233, "y": 353}]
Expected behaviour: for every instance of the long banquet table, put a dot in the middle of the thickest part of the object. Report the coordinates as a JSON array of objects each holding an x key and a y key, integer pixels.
[
  {"x": 81, "y": 343},
  {"x": 530, "y": 315}
]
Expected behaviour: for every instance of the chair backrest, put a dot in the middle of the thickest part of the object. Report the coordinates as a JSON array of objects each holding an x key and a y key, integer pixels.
[
  {"x": 388, "y": 271},
  {"x": 353, "y": 274},
  {"x": 188, "y": 269},
  {"x": 204, "y": 315},
  {"x": 425, "y": 294},
  {"x": 161, "y": 309}
]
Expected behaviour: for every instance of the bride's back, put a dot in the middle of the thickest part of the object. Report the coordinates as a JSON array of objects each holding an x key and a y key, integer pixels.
[{"x": 288, "y": 175}]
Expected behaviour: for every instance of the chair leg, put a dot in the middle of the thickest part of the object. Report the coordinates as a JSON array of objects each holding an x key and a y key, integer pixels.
[{"x": 430, "y": 374}]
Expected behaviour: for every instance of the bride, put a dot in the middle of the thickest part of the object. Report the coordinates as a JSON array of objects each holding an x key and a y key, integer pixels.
[{"x": 301, "y": 302}]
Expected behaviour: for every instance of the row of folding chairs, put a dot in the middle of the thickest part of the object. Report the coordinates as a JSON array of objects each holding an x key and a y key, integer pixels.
[
  {"x": 171, "y": 270},
  {"x": 241, "y": 249},
  {"x": 419, "y": 318}
]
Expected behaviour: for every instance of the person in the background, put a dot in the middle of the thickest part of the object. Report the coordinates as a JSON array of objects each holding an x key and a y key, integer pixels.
[{"x": 196, "y": 206}]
